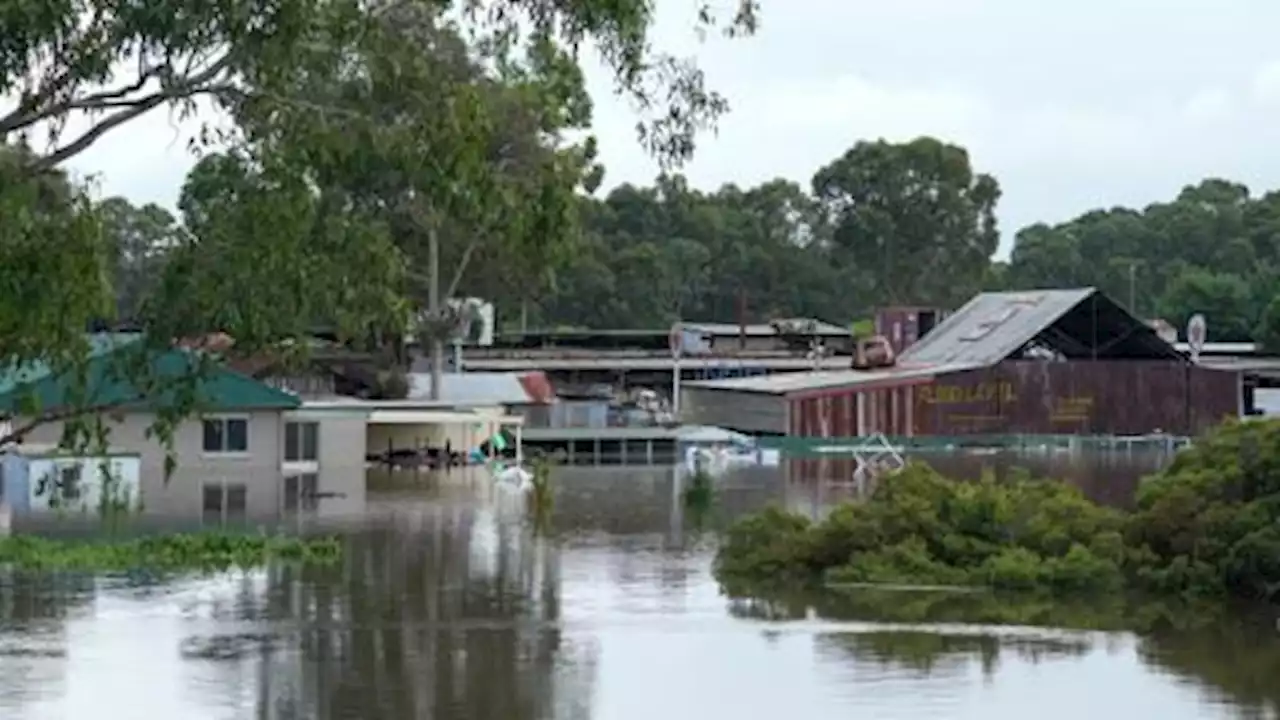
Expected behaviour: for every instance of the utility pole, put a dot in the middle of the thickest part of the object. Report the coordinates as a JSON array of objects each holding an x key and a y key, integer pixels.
[{"x": 1133, "y": 294}]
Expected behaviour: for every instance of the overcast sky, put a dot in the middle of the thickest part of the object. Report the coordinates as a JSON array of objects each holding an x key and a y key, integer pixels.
[{"x": 1071, "y": 105}]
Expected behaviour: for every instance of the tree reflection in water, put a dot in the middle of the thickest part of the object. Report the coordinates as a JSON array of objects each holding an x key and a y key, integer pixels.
[
  {"x": 430, "y": 622},
  {"x": 1229, "y": 651}
]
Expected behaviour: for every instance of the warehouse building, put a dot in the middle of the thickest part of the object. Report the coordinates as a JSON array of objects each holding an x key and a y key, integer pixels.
[{"x": 1053, "y": 362}]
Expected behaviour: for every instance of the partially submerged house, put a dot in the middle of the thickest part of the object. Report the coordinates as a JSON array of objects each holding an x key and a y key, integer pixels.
[
  {"x": 251, "y": 448},
  {"x": 1070, "y": 362},
  {"x": 228, "y": 458}
]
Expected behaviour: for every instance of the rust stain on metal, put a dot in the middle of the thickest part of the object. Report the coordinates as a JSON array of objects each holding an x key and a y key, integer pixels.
[{"x": 1084, "y": 398}]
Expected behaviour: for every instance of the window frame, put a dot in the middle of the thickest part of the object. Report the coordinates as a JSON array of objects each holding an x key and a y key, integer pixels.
[
  {"x": 223, "y": 513},
  {"x": 299, "y": 428},
  {"x": 224, "y": 421},
  {"x": 299, "y": 498}
]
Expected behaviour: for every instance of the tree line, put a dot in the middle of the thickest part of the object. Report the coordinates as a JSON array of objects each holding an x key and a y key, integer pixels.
[{"x": 884, "y": 224}]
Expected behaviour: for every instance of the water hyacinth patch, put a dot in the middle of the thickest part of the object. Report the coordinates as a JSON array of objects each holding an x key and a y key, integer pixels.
[{"x": 195, "y": 551}]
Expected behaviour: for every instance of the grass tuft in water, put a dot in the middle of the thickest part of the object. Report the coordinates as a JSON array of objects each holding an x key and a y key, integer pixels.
[
  {"x": 542, "y": 499},
  {"x": 699, "y": 497},
  {"x": 197, "y": 551}
]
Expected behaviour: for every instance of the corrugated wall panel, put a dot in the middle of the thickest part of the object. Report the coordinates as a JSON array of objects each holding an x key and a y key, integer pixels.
[
  {"x": 743, "y": 411},
  {"x": 1085, "y": 398}
]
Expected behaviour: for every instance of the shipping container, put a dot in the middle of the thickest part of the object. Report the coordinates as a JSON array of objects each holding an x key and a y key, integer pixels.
[{"x": 903, "y": 326}]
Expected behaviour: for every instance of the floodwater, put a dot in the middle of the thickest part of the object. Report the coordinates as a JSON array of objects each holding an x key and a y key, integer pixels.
[{"x": 448, "y": 607}]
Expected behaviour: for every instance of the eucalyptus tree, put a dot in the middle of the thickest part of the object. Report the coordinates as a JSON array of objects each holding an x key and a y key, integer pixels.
[{"x": 77, "y": 69}]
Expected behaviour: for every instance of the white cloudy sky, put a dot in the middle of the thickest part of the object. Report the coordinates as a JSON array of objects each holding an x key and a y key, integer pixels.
[{"x": 1072, "y": 105}]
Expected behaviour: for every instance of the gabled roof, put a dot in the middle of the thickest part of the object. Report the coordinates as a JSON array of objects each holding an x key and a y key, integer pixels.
[
  {"x": 35, "y": 386},
  {"x": 1081, "y": 323},
  {"x": 100, "y": 344}
]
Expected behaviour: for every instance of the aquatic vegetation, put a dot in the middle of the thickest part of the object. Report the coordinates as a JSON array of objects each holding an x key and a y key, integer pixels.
[
  {"x": 542, "y": 495},
  {"x": 1210, "y": 523},
  {"x": 920, "y": 528},
  {"x": 699, "y": 498},
  {"x": 699, "y": 492},
  {"x": 197, "y": 551}
]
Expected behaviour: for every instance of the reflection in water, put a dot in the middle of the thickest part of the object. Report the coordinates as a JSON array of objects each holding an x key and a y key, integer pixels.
[
  {"x": 1107, "y": 477},
  {"x": 449, "y": 607}
]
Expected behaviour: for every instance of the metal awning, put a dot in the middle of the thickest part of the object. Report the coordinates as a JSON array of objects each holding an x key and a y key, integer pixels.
[
  {"x": 423, "y": 417},
  {"x": 440, "y": 417}
]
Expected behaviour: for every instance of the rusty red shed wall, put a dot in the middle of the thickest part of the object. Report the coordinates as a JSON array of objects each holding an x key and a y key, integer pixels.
[{"x": 1077, "y": 398}]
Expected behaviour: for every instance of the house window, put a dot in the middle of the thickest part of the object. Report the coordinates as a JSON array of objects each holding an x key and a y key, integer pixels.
[
  {"x": 301, "y": 492},
  {"x": 226, "y": 435},
  {"x": 224, "y": 501},
  {"x": 301, "y": 441}
]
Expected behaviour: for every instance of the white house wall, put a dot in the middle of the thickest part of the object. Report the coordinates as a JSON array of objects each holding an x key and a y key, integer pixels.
[
  {"x": 258, "y": 469},
  {"x": 125, "y": 474},
  {"x": 342, "y": 445}
]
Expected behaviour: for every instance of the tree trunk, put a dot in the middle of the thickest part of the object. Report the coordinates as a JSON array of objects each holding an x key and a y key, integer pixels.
[{"x": 433, "y": 306}]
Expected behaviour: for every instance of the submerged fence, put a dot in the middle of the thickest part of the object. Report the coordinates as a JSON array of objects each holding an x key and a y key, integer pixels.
[{"x": 810, "y": 446}]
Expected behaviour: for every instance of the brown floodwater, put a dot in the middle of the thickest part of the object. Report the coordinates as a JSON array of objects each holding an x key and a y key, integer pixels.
[{"x": 448, "y": 606}]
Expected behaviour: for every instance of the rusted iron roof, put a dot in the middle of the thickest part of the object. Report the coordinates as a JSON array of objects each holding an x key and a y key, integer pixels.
[
  {"x": 1080, "y": 323},
  {"x": 538, "y": 387}
]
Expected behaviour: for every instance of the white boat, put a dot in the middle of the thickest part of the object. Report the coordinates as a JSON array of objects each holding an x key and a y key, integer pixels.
[{"x": 715, "y": 450}]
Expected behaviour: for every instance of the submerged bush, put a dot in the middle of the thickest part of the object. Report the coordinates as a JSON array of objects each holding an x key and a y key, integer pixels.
[
  {"x": 1209, "y": 523},
  {"x": 921, "y": 528},
  {"x": 200, "y": 551}
]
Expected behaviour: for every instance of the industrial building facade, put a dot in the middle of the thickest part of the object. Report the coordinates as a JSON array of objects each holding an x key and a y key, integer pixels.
[{"x": 1061, "y": 362}]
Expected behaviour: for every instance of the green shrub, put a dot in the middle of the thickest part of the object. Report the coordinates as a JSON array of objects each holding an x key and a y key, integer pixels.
[
  {"x": 1208, "y": 524},
  {"x": 921, "y": 528},
  {"x": 767, "y": 549}
]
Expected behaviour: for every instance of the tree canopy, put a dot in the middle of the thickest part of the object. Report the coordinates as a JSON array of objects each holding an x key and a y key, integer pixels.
[{"x": 371, "y": 140}]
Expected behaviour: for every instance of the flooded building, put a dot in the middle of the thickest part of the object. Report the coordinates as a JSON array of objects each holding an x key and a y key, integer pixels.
[
  {"x": 626, "y": 359},
  {"x": 1048, "y": 362}
]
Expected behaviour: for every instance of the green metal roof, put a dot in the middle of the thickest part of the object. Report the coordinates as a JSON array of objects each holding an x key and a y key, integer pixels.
[{"x": 219, "y": 389}]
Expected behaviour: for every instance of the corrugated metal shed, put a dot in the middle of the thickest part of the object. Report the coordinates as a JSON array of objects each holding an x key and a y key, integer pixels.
[
  {"x": 1081, "y": 323},
  {"x": 991, "y": 326},
  {"x": 476, "y": 388}
]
